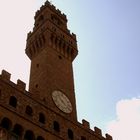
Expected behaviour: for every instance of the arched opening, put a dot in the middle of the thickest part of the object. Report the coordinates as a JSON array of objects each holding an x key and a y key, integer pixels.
[
  {"x": 6, "y": 123},
  {"x": 56, "y": 126},
  {"x": 70, "y": 134},
  {"x": 18, "y": 130},
  {"x": 40, "y": 138},
  {"x": 13, "y": 101},
  {"x": 29, "y": 135},
  {"x": 29, "y": 111},
  {"x": 41, "y": 118}
]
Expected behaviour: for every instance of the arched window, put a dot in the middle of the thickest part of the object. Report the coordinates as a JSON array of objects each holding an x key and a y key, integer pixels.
[
  {"x": 41, "y": 118},
  {"x": 13, "y": 101},
  {"x": 56, "y": 126},
  {"x": 29, "y": 111},
  {"x": 40, "y": 138},
  {"x": 83, "y": 138},
  {"x": 29, "y": 135},
  {"x": 18, "y": 129},
  {"x": 70, "y": 134},
  {"x": 6, "y": 123}
]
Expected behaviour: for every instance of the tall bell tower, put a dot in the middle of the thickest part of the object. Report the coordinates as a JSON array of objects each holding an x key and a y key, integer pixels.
[
  {"x": 47, "y": 111},
  {"x": 52, "y": 48}
]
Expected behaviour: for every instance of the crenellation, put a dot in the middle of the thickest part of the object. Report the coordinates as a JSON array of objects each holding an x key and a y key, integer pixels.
[
  {"x": 47, "y": 2},
  {"x": 74, "y": 36},
  {"x": 108, "y": 137},
  {"x": 37, "y": 13},
  {"x": 64, "y": 15},
  {"x": 86, "y": 123},
  {"x": 68, "y": 31},
  {"x": 5, "y": 75},
  {"x": 42, "y": 7},
  {"x": 59, "y": 12},
  {"x": 21, "y": 85},
  {"x": 71, "y": 34},
  {"x": 98, "y": 131},
  {"x": 29, "y": 34},
  {"x": 53, "y": 7}
]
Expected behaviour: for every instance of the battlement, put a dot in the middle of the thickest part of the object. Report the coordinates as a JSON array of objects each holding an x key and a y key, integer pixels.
[
  {"x": 21, "y": 86},
  {"x": 52, "y": 7},
  {"x": 6, "y": 76},
  {"x": 97, "y": 131}
]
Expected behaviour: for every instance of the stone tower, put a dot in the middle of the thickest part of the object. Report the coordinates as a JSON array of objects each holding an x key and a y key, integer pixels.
[
  {"x": 52, "y": 48},
  {"x": 48, "y": 110}
]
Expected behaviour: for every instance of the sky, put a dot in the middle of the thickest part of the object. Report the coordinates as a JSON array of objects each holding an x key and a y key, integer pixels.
[{"x": 106, "y": 70}]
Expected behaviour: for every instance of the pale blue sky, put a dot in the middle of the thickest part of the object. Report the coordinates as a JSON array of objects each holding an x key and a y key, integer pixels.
[
  {"x": 108, "y": 65},
  {"x": 107, "y": 68}
]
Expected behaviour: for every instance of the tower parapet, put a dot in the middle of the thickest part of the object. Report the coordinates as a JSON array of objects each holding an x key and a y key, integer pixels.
[
  {"x": 6, "y": 76},
  {"x": 52, "y": 7},
  {"x": 50, "y": 30}
]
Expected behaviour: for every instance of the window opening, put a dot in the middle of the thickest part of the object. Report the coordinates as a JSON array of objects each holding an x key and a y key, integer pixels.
[
  {"x": 70, "y": 134},
  {"x": 36, "y": 85},
  {"x": 60, "y": 57},
  {"x": 13, "y": 101},
  {"x": 29, "y": 111},
  {"x": 18, "y": 129},
  {"x": 42, "y": 118},
  {"x": 40, "y": 138},
  {"x": 56, "y": 126},
  {"x": 37, "y": 65},
  {"x": 29, "y": 135},
  {"x": 6, "y": 123}
]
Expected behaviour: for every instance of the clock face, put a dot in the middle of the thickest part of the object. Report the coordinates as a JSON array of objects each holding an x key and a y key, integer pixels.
[{"x": 62, "y": 101}]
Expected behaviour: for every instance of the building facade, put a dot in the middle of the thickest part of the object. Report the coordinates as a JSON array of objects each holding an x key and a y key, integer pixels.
[{"x": 48, "y": 110}]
